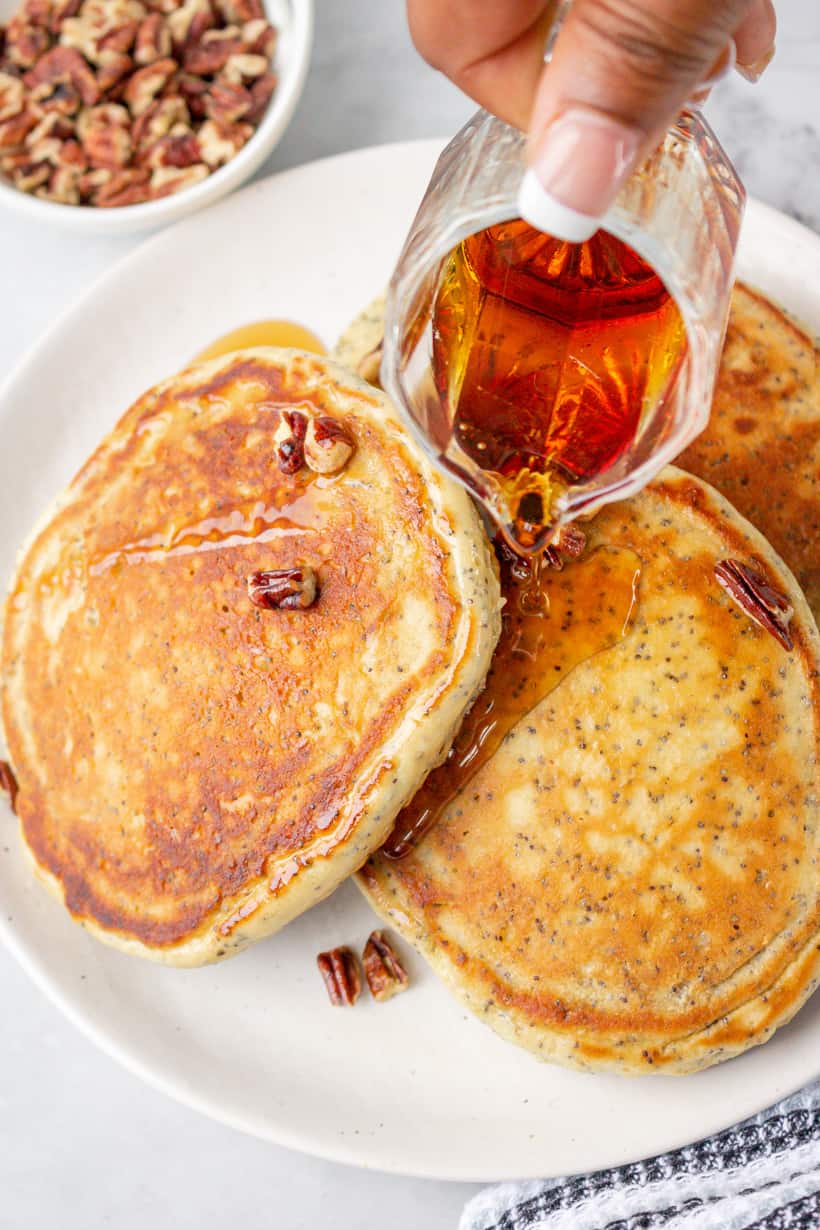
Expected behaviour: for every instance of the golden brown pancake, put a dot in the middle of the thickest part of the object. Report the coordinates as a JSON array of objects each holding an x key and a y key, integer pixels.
[
  {"x": 761, "y": 448},
  {"x": 360, "y": 345},
  {"x": 195, "y": 771},
  {"x": 631, "y": 882}
]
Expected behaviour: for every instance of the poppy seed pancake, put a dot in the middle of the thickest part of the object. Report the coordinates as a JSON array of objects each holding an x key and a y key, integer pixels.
[
  {"x": 195, "y": 771},
  {"x": 631, "y": 882},
  {"x": 761, "y": 447}
]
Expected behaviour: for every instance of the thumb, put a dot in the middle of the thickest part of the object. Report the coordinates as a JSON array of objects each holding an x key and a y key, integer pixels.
[{"x": 620, "y": 72}]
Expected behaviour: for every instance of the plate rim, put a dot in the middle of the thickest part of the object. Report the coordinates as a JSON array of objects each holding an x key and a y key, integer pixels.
[{"x": 32, "y": 962}]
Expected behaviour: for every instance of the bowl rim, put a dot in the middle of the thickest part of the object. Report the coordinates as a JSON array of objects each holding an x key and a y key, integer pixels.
[{"x": 292, "y": 70}]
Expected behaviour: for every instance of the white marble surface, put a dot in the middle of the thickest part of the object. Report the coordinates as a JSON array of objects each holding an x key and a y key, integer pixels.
[{"x": 82, "y": 1143}]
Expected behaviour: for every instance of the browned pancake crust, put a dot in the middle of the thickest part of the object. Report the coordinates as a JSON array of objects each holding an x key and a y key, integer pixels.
[
  {"x": 174, "y": 743},
  {"x": 761, "y": 448},
  {"x": 632, "y": 882}
]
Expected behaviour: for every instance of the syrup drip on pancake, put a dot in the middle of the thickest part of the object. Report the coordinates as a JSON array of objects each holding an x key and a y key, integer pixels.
[
  {"x": 263, "y": 333},
  {"x": 254, "y": 522},
  {"x": 552, "y": 621}
]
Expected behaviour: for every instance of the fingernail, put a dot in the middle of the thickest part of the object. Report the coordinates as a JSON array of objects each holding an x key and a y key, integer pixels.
[
  {"x": 753, "y": 72},
  {"x": 582, "y": 162}
]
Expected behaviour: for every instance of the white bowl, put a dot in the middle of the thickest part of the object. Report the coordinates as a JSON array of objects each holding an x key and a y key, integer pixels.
[{"x": 294, "y": 21}]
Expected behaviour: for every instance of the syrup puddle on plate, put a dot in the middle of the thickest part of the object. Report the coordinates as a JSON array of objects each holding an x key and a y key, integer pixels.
[
  {"x": 552, "y": 621},
  {"x": 263, "y": 333}
]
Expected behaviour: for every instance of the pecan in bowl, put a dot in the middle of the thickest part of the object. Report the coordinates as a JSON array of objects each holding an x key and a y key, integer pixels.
[{"x": 112, "y": 103}]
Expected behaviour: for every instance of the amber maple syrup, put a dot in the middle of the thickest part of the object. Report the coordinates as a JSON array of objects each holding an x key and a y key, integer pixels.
[
  {"x": 551, "y": 622},
  {"x": 263, "y": 333},
  {"x": 547, "y": 357}
]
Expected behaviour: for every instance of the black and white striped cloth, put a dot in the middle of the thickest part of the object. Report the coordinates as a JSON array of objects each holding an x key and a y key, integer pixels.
[{"x": 763, "y": 1174}]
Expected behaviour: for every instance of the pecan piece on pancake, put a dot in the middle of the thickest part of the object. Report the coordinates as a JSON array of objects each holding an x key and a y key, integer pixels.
[
  {"x": 283, "y": 589},
  {"x": 8, "y": 783},
  {"x": 747, "y": 586},
  {"x": 289, "y": 441},
  {"x": 568, "y": 543},
  {"x": 328, "y": 445},
  {"x": 385, "y": 974},
  {"x": 340, "y": 972}
]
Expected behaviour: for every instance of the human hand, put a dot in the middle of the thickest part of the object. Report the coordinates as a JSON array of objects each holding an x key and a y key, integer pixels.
[{"x": 620, "y": 72}]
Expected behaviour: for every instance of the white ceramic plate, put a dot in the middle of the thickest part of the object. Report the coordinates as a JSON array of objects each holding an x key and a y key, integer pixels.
[{"x": 415, "y": 1085}]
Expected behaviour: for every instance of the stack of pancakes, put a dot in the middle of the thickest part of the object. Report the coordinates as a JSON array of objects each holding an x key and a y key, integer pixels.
[{"x": 630, "y": 882}]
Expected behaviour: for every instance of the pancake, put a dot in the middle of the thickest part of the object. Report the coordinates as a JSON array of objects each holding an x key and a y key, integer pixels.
[
  {"x": 631, "y": 882},
  {"x": 195, "y": 771},
  {"x": 761, "y": 448},
  {"x": 359, "y": 346}
]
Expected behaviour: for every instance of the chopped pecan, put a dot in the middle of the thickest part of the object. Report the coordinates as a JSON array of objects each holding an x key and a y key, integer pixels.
[
  {"x": 328, "y": 445},
  {"x": 289, "y": 441},
  {"x": 90, "y": 182},
  {"x": 219, "y": 142},
  {"x": 128, "y": 186},
  {"x": 52, "y": 124},
  {"x": 385, "y": 974},
  {"x": 748, "y": 587},
  {"x": 340, "y": 972},
  {"x": 194, "y": 82},
  {"x": 226, "y": 103},
  {"x": 11, "y": 96},
  {"x": 46, "y": 150},
  {"x": 63, "y": 186},
  {"x": 38, "y": 12},
  {"x": 567, "y": 543},
  {"x": 158, "y": 121},
  {"x": 153, "y": 40},
  {"x": 243, "y": 67},
  {"x": 13, "y": 132},
  {"x": 194, "y": 91},
  {"x": 60, "y": 97},
  {"x": 180, "y": 23},
  {"x": 167, "y": 180},
  {"x": 60, "y": 10},
  {"x": 213, "y": 51},
  {"x": 31, "y": 175},
  {"x": 65, "y": 64},
  {"x": 25, "y": 43},
  {"x": 105, "y": 136},
  {"x": 73, "y": 155},
  {"x": 114, "y": 67},
  {"x": 259, "y": 37},
  {"x": 239, "y": 11},
  {"x": 283, "y": 589},
  {"x": 178, "y": 149},
  {"x": 144, "y": 85},
  {"x": 261, "y": 92},
  {"x": 121, "y": 38}
]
